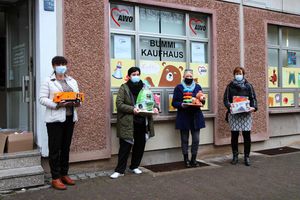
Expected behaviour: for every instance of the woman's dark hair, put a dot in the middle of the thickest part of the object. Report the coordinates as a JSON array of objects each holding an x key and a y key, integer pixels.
[
  {"x": 133, "y": 69},
  {"x": 59, "y": 60},
  {"x": 238, "y": 69}
]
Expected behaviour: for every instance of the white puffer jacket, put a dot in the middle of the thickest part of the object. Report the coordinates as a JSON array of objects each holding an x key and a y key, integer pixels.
[{"x": 48, "y": 88}]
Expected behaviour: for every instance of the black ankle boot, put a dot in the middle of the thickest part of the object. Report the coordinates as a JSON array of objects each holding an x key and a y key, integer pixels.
[
  {"x": 247, "y": 160},
  {"x": 186, "y": 160},
  {"x": 235, "y": 158},
  {"x": 194, "y": 162}
]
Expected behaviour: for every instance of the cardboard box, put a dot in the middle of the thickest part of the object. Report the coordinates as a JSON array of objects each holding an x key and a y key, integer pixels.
[{"x": 11, "y": 142}]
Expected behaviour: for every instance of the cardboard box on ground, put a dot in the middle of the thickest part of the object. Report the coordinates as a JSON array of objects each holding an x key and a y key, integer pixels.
[{"x": 12, "y": 141}]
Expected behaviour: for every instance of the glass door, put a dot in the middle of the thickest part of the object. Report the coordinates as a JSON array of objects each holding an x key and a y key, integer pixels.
[{"x": 18, "y": 65}]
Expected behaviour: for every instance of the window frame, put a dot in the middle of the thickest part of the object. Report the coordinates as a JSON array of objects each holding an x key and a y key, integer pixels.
[
  {"x": 281, "y": 48},
  {"x": 187, "y": 38}
]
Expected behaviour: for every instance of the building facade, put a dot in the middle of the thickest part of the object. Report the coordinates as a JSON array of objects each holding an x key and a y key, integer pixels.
[{"x": 102, "y": 39}]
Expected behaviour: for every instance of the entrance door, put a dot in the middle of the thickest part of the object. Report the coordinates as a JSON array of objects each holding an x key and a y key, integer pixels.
[{"x": 16, "y": 65}]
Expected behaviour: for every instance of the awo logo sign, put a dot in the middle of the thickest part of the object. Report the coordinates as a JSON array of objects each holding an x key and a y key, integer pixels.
[
  {"x": 120, "y": 16},
  {"x": 202, "y": 70},
  {"x": 197, "y": 25}
]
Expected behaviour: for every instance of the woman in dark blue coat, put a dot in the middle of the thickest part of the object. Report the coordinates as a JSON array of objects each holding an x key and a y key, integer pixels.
[{"x": 189, "y": 118}]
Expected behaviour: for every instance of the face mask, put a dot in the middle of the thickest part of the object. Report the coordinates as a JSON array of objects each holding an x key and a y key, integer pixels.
[
  {"x": 60, "y": 69},
  {"x": 188, "y": 81},
  {"x": 135, "y": 79},
  {"x": 238, "y": 77}
]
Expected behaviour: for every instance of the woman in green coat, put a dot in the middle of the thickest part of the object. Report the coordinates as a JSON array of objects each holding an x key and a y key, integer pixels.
[{"x": 132, "y": 128}]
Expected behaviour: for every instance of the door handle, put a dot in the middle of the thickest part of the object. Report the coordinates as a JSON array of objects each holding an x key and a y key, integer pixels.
[{"x": 25, "y": 84}]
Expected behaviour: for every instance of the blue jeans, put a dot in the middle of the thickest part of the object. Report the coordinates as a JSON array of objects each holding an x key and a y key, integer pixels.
[{"x": 185, "y": 141}]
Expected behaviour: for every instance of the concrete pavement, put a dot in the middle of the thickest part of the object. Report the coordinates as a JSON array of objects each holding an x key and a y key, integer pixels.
[{"x": 269, "y": 178}]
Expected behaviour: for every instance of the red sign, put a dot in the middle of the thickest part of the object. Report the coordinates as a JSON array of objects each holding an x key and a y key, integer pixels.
[
  {"x": 196, "y": 25},
  {"x": 121, "y": 17}
]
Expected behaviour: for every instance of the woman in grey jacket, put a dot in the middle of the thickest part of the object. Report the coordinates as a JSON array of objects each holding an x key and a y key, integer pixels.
[{"x": 60, "y": 119}]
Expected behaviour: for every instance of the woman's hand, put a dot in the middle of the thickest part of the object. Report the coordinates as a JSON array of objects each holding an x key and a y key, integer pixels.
[
  {"x": 252, "y": 109},
  {"x": 76, "y": 104},
  {"x": 183, "y": 105},
  {"x": 136, "y": 111},
  {"x": 67, "y": 104},
  {"x": 155, "y": 110}
]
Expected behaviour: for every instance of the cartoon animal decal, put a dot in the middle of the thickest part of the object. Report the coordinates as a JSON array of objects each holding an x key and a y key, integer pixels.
[
  {"x": 273, "y": 78},
  {"x": 170, "y": 77}
]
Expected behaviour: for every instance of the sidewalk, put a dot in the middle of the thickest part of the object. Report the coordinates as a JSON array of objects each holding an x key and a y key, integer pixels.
[{"x": 269, "y": 178}]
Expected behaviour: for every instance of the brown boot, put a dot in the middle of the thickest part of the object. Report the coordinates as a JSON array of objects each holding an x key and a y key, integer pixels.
[
  {"x": 67, "y": 180},
  {"x": 57, "y": 184}
]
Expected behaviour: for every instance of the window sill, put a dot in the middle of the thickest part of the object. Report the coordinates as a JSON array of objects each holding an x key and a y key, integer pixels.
[
  {"x": 284, "y": 111},
  {"x": 167, "y": 118}
]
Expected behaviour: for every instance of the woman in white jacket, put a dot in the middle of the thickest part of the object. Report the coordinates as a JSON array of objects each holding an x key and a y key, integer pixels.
[{"x": 60, "y": 119}]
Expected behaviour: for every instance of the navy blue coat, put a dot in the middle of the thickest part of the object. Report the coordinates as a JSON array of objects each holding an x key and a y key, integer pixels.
[{"x": 190, "y": 117}]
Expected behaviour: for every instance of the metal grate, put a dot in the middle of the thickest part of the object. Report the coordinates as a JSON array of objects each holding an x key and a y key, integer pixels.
[
  {"x": 276, "y": 151},
  {"x": 165, "y": 167}
]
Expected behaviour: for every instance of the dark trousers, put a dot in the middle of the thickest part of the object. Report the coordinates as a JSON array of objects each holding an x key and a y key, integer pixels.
[
  {"x": 59, "y": 141},
  {"x": 137, "y": 150},
  {"x": 185, "y": 141},
  {"x": 235, "y": 142}
]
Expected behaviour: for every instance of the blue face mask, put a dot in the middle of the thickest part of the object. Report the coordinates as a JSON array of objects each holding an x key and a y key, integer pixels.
[
  {"x": 135, "y": 79},
  {"x": 61, "y": 69},
  {"x": 238, "y": 77}
]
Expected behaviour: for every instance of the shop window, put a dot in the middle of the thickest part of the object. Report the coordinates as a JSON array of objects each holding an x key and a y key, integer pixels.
[
  {"x": 163, "y": 44},
  {"x": 199, "y": 63},
  {"x": 273, "y": 59},
  {"x": 149, "y": 20},
  {"x": 162, "y": 49},
  {"x": 273, "y": 35},
  {"x": 172, "y": 23},
  {"x": 290, "y": 37},
  {"x": 284, "y": 66}
]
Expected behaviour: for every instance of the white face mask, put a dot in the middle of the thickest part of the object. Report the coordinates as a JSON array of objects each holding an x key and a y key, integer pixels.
[
  {"x": 61, "y": 69},
  {"x": 238, "y": 77},
  {"x": 135, "y": 79}
]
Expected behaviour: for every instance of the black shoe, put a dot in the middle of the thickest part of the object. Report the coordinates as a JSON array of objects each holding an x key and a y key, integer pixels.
[
  {"x": 247, "y": 161},
  {"x": 187, "y": 164},
  {"x": 194, "y": 162},
  {"x": 235, "y": 158},
  {"x": 186, "y": 160}
]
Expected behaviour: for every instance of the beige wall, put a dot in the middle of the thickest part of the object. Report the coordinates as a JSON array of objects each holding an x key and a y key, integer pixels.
[
  {"x": 166, "y": 136},
  {"x": 288, "y": 6},
  {"x": 284, "y": 124}
]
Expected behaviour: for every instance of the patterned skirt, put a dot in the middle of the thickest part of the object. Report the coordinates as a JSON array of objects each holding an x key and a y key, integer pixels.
[{"x": 240, "y": 122}]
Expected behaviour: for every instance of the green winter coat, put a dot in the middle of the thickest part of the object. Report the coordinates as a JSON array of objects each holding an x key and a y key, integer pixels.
[{"x": 125, "y": 106}]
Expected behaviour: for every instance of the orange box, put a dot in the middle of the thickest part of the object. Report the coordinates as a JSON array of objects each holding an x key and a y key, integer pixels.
[{"x": 68, "y": 96}]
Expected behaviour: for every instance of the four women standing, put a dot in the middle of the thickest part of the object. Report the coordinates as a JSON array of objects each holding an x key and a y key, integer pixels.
[{"x": 133, "y": 128}]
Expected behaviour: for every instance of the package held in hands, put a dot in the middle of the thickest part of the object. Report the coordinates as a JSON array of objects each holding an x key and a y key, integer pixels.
[
  {"x": 240, "y": 104},
  {"x": 145, "y": 100}
]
